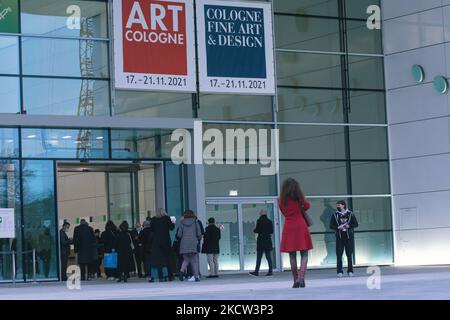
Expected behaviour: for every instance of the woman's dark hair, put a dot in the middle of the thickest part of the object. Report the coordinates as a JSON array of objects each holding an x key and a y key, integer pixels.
[
  {"x": 290, "y": 189},
  {"x": 124, "y": 226},
  {"x": 188, "y": 214},
  {"x": 110, "y": 226},
  {"x": 343, "y": 203}
]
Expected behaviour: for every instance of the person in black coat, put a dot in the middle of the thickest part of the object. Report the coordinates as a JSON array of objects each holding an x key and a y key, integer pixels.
[
  {"x": 343, "y": 222},
  {"x": 211, "y": 240},
  {"x": 85, "y": 247},
  {"x": 264, "y": 229},
  {"x": 64, "y": 244},
  {"x": 109, "y": 240},
  {"x": 124, "y": 252},
  {"x": 137, "y": 248},
  {"x": 145, "y": 239},
  {"x": 161, "y": 225}
]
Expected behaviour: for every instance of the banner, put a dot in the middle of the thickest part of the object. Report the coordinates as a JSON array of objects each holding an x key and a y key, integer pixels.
[
  {"x": 235, "y": 47},
  {"x": 154, "y": 45},
  {"x": 9, "y": 16},
  {"x": 7, "y": 224}
]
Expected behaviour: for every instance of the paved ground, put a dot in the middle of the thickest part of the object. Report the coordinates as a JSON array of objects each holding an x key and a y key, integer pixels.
[{"x": 396, "y": 283}]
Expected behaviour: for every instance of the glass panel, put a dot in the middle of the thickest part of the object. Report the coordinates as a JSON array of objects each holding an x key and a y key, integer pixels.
[
  {"x": 250, "y": 214},
  {"x": 139, "y": 144},
  {"x": 40, "y": 217},
  {"x": 120, "y": 187},
  {"x": 318, "y": 177},
  {"x": 361, "y": 39},
  {"x": 235, "y": 107},
  {"x": 307, "y": 33},
  {"x": 9, "y": 143},
  {"x": 9, "y": 55},
  {"x": 10, "y": 198},
  {"x": 358, "y": 8},
  {"x": 368, "y": 143},
  {"x": 312, "y": 70},
  {"x": 365, "y": 72},
  {"x": 66, "y": 97},
  {"x": 310, "y": 105},
  {"x": 153, "y": 104},
  {"x": 147, "y": 192},
  {"x": 175, "y": 184},
  {"x": 373, "y": 248},
  {"x": 9, "y": 91},
  {"x": 370, "y": 177},
  {"x": 367, "y": 107},
  {"x": 227, "y": 215},
  {"x": 238, "y": 180},
  {"x": 58, "y": 18},
  {"x": 60, "y": 57},
  {"x": 373, "y": 214},
  {"x": 312, "y": 142},
  {"x": 307, "y": 7},
  {"x": 65, "y": 143}
]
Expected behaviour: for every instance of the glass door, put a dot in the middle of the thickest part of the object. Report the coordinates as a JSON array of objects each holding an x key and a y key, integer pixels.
[
  {"x": 238, "y": 240},
  {"x": 121, "y": 197}
]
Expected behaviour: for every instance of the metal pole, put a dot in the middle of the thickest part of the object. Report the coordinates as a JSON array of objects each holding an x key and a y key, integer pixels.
[
  {"x": 34, "y": 265},
  {"x": 13, "y": 267}
]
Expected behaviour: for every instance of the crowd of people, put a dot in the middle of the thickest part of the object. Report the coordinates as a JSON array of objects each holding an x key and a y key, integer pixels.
[{"x": 149, "y": 251}]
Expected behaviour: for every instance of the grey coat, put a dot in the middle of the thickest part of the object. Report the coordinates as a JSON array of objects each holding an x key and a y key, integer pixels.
[{"x": 190, "y": 234}]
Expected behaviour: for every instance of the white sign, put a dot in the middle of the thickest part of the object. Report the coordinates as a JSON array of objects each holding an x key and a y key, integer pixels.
[
  {"x": 7, "y": 227},
  {"x": 235, "y": 47},
  {"x": 154, "y": 45}
]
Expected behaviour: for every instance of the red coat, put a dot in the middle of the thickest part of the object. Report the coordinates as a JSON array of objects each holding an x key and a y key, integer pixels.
[{"x": 296, "y": 236}]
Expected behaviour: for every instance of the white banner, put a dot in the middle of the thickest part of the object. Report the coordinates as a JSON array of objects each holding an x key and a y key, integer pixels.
[
  {"x": 154, "y": 47},
  {"x": 7, "y": 224},
  {"x": 235, "y": 47}
]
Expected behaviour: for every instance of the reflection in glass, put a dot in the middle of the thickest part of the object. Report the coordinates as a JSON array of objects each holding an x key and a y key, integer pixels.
[
  {"x": 366, "y": 72},
  {"x": 65, "y": 143},
  {"x": 9, "y": 55},
  {"x": 9, "y": 93},
  {"x": 307, "y": 33},
  {"x": 10, "y": 198},
  {"x": 367, "y": 107},
  {"x": 311, "y": 70},
  {"x": 66, "y": 97},
  {"x": 370, "y": 177},
  {"x": 57, "y": 18},
  {"x": 235, "y": 107},
  {"x": 310, "y": 105},
  {"x": 62, "y": 57},
  {"x": 361, "y": 39},
  {"x": 142, "y": 144},
  {"x": 9, "y": 143},
  {"x": 377, "y": 149},
  {"x": 307, "y": 7},
  {"x": 152, "y": 104},
  {"x": 40, "y": 216},
  {"x": 120, "y": 197},
  {"x": 227, "y": 215}
]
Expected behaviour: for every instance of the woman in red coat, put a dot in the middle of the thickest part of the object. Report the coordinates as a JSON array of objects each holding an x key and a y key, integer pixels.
[{"x": 296, "y": 236}]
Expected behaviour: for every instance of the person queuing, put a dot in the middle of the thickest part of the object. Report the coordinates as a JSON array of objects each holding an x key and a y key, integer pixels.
[
  {"x": 189, "y": 234},
  {"x": 210, "y": 246},
  {"x": 124, "y": 253},
  {"x": 64, "y": 243},
  {"x": 85, "y": 248}
]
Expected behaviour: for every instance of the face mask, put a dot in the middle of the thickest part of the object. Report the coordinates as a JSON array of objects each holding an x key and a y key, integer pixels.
[{"x": 339, "y": 209}]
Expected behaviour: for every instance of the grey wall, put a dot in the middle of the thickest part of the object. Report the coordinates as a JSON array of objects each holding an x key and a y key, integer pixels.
[{"x": 418, "y": 32}]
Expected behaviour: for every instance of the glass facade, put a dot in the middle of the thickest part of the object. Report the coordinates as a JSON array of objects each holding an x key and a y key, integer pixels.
[{"x": 329, "y": 108}]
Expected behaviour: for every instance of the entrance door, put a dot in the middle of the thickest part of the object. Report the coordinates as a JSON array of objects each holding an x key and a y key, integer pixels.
[
  {"x": 121, "y": 197},
  {"x": 238, "y": 241}
]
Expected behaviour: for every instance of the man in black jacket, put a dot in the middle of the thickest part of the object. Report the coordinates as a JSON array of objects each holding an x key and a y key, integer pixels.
[
  {"x": 211, "y": 240},
  {"x": 264, "y": 229},
  {"x": 343, "y": 222},
  {"x": 85, "y": 248},
  {"x": 64, "y": 243}
]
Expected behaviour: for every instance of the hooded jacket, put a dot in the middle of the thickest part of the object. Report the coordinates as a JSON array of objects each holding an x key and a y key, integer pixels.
[{"x": 189, "y": 234}]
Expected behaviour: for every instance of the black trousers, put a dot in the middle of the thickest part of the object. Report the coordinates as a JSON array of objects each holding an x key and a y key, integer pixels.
[
  {"x": 90, "y": 269},
  {"x": 64, "y": 261},
  {"x": 138, "y": 259},
  {"x": 344, "y": 243},
  {"x": 259, "y": 254}
]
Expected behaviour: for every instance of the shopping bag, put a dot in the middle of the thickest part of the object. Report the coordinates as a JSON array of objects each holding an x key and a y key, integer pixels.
[{"x": 110, "y": 260}]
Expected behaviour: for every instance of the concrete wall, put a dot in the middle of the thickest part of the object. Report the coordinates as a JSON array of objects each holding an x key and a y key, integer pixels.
[{"x": 418, "y": 32}]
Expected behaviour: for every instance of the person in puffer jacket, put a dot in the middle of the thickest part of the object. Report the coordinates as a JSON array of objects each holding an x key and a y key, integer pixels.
[{"x": 189, "y": 234}]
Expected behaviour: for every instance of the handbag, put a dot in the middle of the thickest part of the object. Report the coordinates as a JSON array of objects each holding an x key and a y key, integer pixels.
[
  {"x": 308, "y": 219},
  {"x": 110, "y": 260}
]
